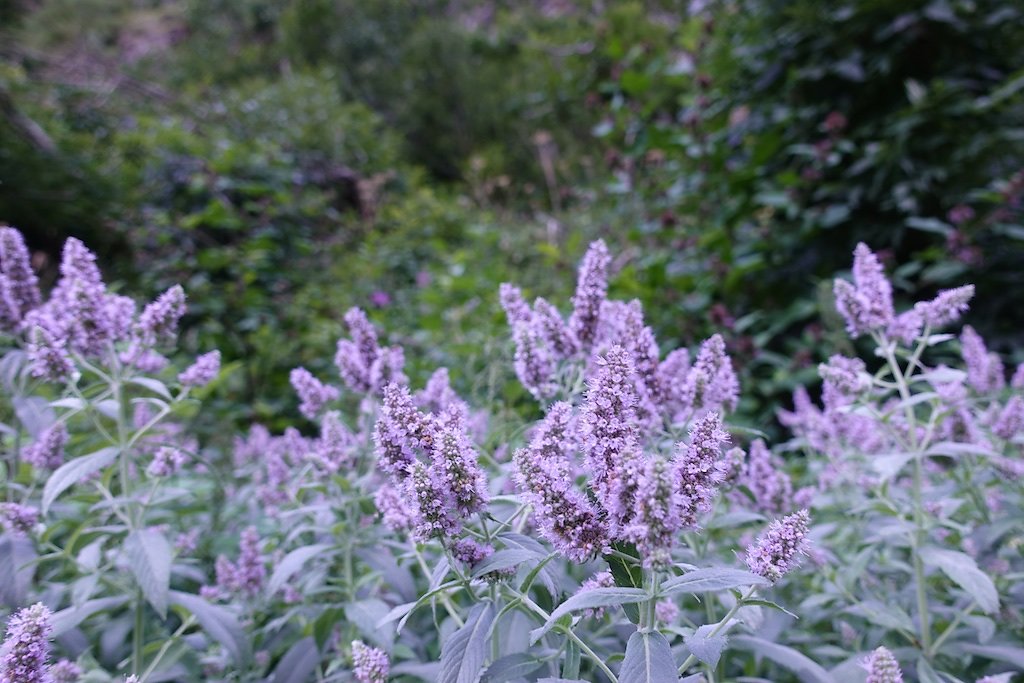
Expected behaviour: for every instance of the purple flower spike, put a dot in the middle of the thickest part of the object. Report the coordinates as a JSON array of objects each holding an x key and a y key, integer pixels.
[
  {"x": 19, "y": 287},
  {"x": 533, "y": 363},
  {"x": 591, "y": 289},
  {"x": 565, "y": 516},
  {"x": 777, "y": 550},
  {"x": 553, "y": 330},
  {"x": 203, "y": 371},
  {"x": 363, "y": 335},
  {"x": 159, "y": 320},
  {"x": 700, "y": 468},
  {"x": 882, "y": 667},
  {"x": 454, "y": 466},
  {"x": 400, "y": 428},
  {"x": 515, "y": 307},
  {"x": 65, "y": 671},
  {"x": 713, "y": 383},
  {"x": 984, "y": 369},
  {"x": 17, "y": 518},
  {"x": 26, "y": 648},
  {"x": 369, "y": 664},
  {"x": 1010, "y": 422},
  {"x": 656, "y": 518},
  {"x": 47, "y": 452},
  {"x": 313, "y": 393},
  {"x": 945, "y": 308},
  {"x": 866, "y": 304},
  {"x": 772, "y": 488}
]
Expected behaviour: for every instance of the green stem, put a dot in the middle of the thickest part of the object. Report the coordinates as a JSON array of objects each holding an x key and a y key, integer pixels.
[
  {"x": 542, "y": 613},
  {"x": 137, "y": 639},
  {"x": 722, "y": 624},
  {"x": 185, "y": 625},
  {"x": 949, "y": 629}
]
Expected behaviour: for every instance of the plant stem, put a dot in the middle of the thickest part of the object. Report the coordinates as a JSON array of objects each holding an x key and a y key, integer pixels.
[
  {"x": 137, "y": 640},
  {"x": 542, "y": 613},
  {"x": 722, "y": 624}
]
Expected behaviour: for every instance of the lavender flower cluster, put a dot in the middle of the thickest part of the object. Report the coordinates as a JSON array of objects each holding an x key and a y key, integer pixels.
[
  {"x": 81, "y": 317},
  {"x": 547, "y": 345}
]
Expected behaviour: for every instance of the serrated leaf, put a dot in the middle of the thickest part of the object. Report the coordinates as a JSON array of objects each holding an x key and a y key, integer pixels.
[
  {"x": 595, "y": 597},
  {"x": 804, "y": 667},
  {"x": 648, "y": 660},
  {"x": 963, "y": 571},
  {"x": 298, "y": 664},
  {"x": 511, "y": 667},
  {"x": 218, "y": 623},
  {"x": 17, "y": 556},
  {"x": 706, "y": 647},
  {"x": 149, "y": 557},
  {"x": 1000, "y": 653},
  {"x": 73, "y": 471},
  {"x": 465, "y": 651},
  {"x": 711, "y": 579},
  {"x": 366, "y": 615},
  {"x": 502, "y": 559},
  {"x": 291, "y": 563}
]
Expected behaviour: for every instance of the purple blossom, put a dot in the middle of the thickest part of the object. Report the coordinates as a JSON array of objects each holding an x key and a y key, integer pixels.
[
  {"x": 437, "y": 395},
  {"x": 700, "y": 468},
  {"x": 363, "y": 335},
  {"x": 187, "y": 542},
  {"x": 666, "y": 611},
  {"x": 47, "y": 451},
  {"x": 984, "y": 369},
  {"x": 387, "y": 368},
  {"x": 247, "y": 574},
  {"x": 553, "y": 330},
  {"x": 712, "y": 380},
  {"x": 351, "y": 368},
  {"x": 202, "y": 371},
  {"x": 657, "y": 513},
  {"x": 533, "y": 363},
  {"x": 777, "y": 550},
  {"x": 512, "y": 302},
  {"x": 454, "y": 466},
  {"x": 400, "y": 429},
  {"x": 591, "y": 289},
  {"x": 772, "y": 488},
  {"x": 26, "y": 647},
  {"x": 166, "y": 461},
  {"x": 672, "y": 381},
  {"x": 47, "y": 348},
  {"x": 882, "y": 667},
  {"x": 159, "y": 320},
  {"x": 470, "y": 551},
  {"x": 65, "y": 671},
  {"x": 19, "y": 287},
  {"x": 396, "y": 510},
  {"x": 844, "y": 379},
  {"x": 369, "y": 664},
  {"x": 18, "y": 518},
  {"x": 608, "y": 427},
  {"x": 1018, "y": 377},
  {"x": 565, "y": 516},
  {"x": 1010, "y": 422},
  {"x": 333, "y": 450},
  {"x": 945, "y": 308},
  {"x": 434, "y": 508},
  {"x": 866, "y": 304},
  {"x": 313, "y": 393}
]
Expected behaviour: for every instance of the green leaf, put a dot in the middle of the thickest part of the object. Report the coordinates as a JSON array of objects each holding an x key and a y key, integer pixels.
[
  {"x": 218, "y": 623},
  {"x": 73, "y": 471},
  {"x": 502, "y": 559},
  {"x": 706, "y": 647},
  {"x": 34, "y": 412},
  {"x": 17, "y": 556},
  {"x": 465, "y": 651},
  {"x": 595, "y": 597},
  {"x": 801, "y": 665},
  {"x": 1000, "y": 653},
  {"x": 366, "y": 615},
  {"x": 154, "y": 385},
  {"x": 648, "y": 660},
  {"x": 711, "y": 579},
  {"x": 67, "y": 619},
  {"x": 627, "y": 575},
  {"x": 291, "y": 563},
  {"x": 963, "y": 571},
  {"x": 511, "y": 667},
  {"x": 149, "y": 557},
  {"x": 298, "y": 664}
]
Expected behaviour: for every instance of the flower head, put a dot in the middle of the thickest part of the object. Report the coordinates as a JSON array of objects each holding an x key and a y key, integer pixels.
[
  {"x": 591, "y": 289},
  {"x": 65, "y": 671},
  {"x": 47, "y": 451},
  {"x": 866, "y": 304},
  {"x": 159, "y": 320},
  {"x": 166, "y": 461},
  {"x": 313, "y": 393},
  {"x": 202, "y": 371},
  {"x": 984, "y": 369},
  {"x": 400, "y": 429},
  {"x": 369, "y": 664},
  {"x": 700, "y": 468},
  {"x": 777, "y": 550},
  {"x": 882, "y": 667},
  {"x": 533, "y": 363},
  {"x": 18, "y": 518},
  {"x": 26, "y": 647},
  {"x": 946, "y": 307},
  {"x": 657, "y": 513},
  {"x": 19, "y": 287},
  {"x": 712, "y": 380},
  {"x": 772, "y": 488}
]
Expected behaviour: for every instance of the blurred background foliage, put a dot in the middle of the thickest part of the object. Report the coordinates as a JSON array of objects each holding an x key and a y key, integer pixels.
[{"x": 286, "y": 159}]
